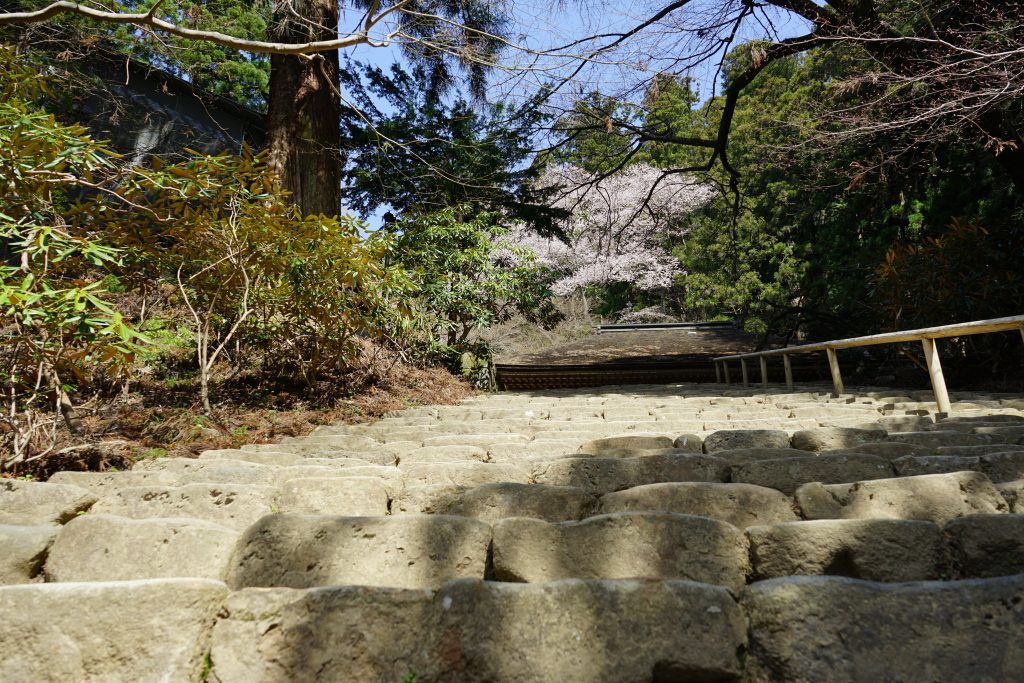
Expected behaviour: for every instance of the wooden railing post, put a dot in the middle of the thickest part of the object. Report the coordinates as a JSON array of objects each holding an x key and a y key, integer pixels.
[
  {"x": 927, "y": 336},
  {"x": 931, "y": 355},
  {"x": 837, "y": 377},
  {"x": 718, "y": 372}
]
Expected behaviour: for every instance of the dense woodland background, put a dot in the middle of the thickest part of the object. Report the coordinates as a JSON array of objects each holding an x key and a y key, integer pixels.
[{"x": 863, "y": 177}]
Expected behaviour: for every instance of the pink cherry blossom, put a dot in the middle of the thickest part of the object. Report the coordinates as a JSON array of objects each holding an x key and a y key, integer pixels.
[{"x": 621, "y": 228}]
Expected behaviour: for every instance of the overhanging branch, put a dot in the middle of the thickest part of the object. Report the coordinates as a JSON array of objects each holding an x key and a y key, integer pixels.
[{"x": 148, "y": 20}]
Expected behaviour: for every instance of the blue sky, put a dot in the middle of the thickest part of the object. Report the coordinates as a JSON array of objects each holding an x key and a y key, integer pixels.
[{"x": 540, "y": 25}]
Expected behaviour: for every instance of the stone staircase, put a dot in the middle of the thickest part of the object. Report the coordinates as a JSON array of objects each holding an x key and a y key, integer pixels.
[{"x": 652, "y": 533}]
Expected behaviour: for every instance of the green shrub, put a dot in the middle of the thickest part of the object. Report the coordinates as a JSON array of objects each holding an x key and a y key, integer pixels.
[{"x": 59, "y": 325}]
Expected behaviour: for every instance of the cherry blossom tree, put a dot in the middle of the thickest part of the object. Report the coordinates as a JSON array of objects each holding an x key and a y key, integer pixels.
[{"x": 621, "y": 228}]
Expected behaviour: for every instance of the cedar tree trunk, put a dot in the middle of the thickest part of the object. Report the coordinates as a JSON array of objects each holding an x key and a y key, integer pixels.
[{"x": 303, "y": 129}]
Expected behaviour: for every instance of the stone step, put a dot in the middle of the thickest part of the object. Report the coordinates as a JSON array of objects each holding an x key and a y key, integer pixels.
[
  {"x": 964, "y": 427},
  {"x": 979, "y": 449},
  {"x": 623, "y": 525},
  {"x": 870, "y": 549},
  {"x": 379, "y": 454},
  {"x": 741, "y": 456},
  {"x": 733, "y": 439},
  {"x": 741, "y": 505},
  {"x": 840, "y": 629},
  {"x": 151, "y": 630},
  {"x": 232, "y": 505},
  {"x": 347, "y": 496},
  {"x": 780, "y": 424},
  {"x": 604, "y": 475},
  {"x": 430, "y": 454},
  {"x": 99, "y": 547},
  {"x": 632, "y": 545},
  {"x": 1002, "y": 433},
  {"x": 481, "y": 439},
  {"x": 905, "y": 423},
  {"x": 933, "y": 497},
  {"x": 468, "y": 474},
  {"x": 789, "y": 474},
  {"x": 835, "y": 438},
  {"x": 935, "y": 439},
  {"x": 182, "y": 471},
  {"x": 627, "y": 443},
  {"x": 24, "y": 551},
  {"x": 986, "y": 545},
  {"x": 213, "y": 471},
  {"x": 890, "y": 450},
  {"x": 517, "y": 453},
  {"x": 491, "y": 502},
  {"x": 405, "y": 551},
  {"x": 569, "y": 631},
  {"x": 282, "y": 459},
  {"x": 32, "y": 502},
  {"x": 966, "y": 416},
  {"x": 999, "y": 467},
  {"x": 346, "y": 442},
  {"x": 100, "y": 484}
]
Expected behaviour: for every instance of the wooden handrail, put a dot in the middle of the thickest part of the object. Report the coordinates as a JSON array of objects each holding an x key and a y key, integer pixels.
[{"x": 925, "y": 335}]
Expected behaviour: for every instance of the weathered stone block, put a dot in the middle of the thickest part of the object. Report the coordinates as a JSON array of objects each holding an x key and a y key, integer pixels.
[
  {"x": 389, "y": 477},
  {"x": 1004, "y": 466},
  {"x": 832, "y": 438},
  {"x": 933, "y": 497},
  {"x": 492, "y": 502},
  {"x": 997, "y": 466},
  {"x": 212, "y": 471},
  {"x": 585, "y": 631},
  {"x": 325, "y": 635},
  {"x": 812, "y": 629},
  {"x": 481, "y": 632},
  {"x": 632, "y": 544},
  {"x": 987, "y": 545},
  {"x": 742, "y": 456},
  {"x": 871, "y": 549},
  {"x": 24, "y": 551},
  {"x": 789, "y": 474},
  {"x": 347, "y": 496},
  {"x": 689, "y": 442},
  {"x": 602, "y": 475},
  {"x": 939, "y": 438},
  {"x": 101, "y": 484},
  {"x": 977, "y": 449},
  {"x": 98, "y": 547},
  {"x": 436, "y": 454},
  {"x": 1013, "y": 493},
  {"x": 235, "y": 506},
  {"x": 462, "y": 474},
  {"x": 741, "y": 505},
  {"x": 33, "y": 502},
  {"x": 154, "y": 630},
  {"x": 917, "y": 465},
  {"x": 888, "y": 449},
  {"x": 518, "y": 452},
  {"x": 407, "y": 551},
  {"x": 1004, "y": 434},
  {"x": 279, "y": 458},
  {"x": 639, "y": 442},
  {"x": 733, "y": 439},
  {"x": 481, "y": 440}
]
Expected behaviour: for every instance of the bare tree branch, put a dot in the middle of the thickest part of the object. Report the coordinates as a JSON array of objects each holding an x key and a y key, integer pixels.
[{"x": 149, "y": 20}]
